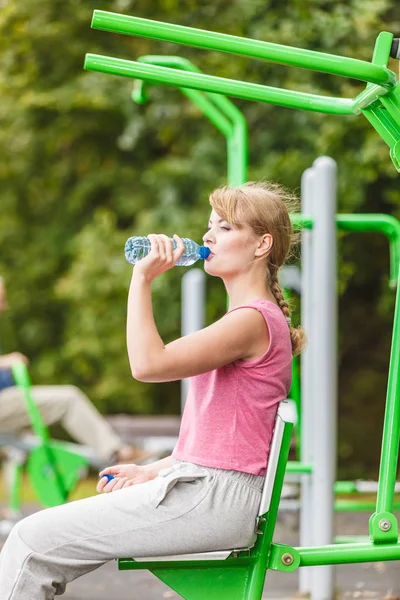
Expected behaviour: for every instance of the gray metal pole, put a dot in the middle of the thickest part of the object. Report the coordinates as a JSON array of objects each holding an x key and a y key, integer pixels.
[
  {"x": 192, "y": 313},
  {"x": 307, "y": 308},
  {"x": 324, "y": 393}
]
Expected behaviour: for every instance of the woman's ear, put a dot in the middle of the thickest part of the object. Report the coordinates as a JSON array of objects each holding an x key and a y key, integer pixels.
[{"x": 264, "y": 246}]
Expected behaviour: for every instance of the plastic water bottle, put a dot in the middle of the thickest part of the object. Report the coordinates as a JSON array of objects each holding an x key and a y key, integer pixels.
[{"x": 138, "y": 247}]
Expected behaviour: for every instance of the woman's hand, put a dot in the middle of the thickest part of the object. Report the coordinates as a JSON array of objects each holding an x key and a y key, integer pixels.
[
  {"x": 8, "y": 360},
  {"x": 161, "y": 257},
  {"x": 124, "y": 476}
]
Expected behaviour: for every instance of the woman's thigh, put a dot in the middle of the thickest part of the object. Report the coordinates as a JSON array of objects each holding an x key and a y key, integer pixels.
[
  {"x": 127, "y": 522},
  {"x": 187, "y": 509}
]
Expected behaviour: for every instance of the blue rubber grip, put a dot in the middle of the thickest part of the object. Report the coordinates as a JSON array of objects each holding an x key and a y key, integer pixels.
[{"x": 109, "y": 477}]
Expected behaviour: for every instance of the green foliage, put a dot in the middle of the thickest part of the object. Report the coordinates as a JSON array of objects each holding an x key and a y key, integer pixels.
[{"x": 83, "y": 168}]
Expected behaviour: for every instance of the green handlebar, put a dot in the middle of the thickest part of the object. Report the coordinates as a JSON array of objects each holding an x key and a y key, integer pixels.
[
  {"x": 210, "y": 40},
  {"x": 379, "y": 102},
  {"x": 220, "y": 85},
  {"x": 379, "y": 223}
]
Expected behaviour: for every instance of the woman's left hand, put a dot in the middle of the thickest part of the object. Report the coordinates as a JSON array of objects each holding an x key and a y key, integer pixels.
[{"x": 161, "y": 257}]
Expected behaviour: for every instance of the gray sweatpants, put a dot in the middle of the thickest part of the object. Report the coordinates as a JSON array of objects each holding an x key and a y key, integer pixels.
[
  {"x": 185, "y": 509},
  {"x": 64, "y": 404}
]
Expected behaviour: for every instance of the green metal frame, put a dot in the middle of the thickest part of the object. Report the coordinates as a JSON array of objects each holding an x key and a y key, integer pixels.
[
  {"x": 379, "y": 101},
  {"x": 53, "y": 468},
  {"x": 359, "y": 223},
  {"x": 242, "y": 576},
  {"x": 217, "y": 108}
]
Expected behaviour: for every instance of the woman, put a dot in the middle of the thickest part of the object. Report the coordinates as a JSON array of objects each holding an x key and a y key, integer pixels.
[{"x": 206, "y": 495}]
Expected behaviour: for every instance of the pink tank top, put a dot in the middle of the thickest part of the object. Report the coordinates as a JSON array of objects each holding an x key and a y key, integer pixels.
[{"x": 230, "y": 412}]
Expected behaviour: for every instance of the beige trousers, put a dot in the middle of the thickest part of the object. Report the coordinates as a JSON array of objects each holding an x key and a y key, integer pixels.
[{"x": 64, "y": 404}]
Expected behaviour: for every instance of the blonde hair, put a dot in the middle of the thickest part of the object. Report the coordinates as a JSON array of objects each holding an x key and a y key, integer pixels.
[{"x": 265, "y": 207}]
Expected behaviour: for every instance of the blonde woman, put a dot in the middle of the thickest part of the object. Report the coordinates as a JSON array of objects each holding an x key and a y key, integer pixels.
[{"x": 206, "y": 495}]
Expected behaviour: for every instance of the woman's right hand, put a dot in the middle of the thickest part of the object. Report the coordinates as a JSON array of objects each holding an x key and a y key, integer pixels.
[{"x": 124, "y": 476}]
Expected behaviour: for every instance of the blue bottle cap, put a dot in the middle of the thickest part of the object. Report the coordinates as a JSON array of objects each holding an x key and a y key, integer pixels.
[
  {"x": 109, "y": 477},
  {"x": 204, "y": 252}
]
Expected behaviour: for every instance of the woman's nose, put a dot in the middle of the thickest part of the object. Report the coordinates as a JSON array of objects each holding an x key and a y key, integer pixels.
[{"x": 207, "y": 237}]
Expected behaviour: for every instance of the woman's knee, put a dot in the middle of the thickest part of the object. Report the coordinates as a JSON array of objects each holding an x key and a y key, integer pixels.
[{"x": 35, "y": 531}]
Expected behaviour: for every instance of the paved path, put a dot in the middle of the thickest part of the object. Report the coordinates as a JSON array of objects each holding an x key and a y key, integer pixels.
[{"x": 364, "y": 581}]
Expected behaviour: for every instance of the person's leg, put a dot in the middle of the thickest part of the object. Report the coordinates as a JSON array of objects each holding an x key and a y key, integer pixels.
[
  {"x": 189, "y": 510},
  {"x": 70, "y": 407}
]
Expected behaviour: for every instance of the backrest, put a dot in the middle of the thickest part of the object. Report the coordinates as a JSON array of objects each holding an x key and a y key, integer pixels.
[{"x": 281, "y": 419}]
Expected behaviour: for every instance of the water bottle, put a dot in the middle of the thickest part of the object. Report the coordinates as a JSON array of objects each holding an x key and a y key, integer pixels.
[{"x": 138, "y": 247}]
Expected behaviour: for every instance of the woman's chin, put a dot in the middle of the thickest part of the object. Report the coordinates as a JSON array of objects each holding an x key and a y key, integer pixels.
[{"x": 208, "y": 267}]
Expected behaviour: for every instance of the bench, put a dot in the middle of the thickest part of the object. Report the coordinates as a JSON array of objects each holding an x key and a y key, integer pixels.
[{"x": 234, "y": 574}]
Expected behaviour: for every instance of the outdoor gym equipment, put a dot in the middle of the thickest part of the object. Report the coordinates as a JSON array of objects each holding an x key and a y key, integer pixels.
[
  {"x": 228, "y": 119},
  {"x": 379, "y": 102},
  {"x": 54, "y": 468},
  {"x": 211, "y": 576}
]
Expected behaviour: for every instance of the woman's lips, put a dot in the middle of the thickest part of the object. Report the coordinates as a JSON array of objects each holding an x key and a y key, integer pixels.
[{"x": 210, "y": 256}]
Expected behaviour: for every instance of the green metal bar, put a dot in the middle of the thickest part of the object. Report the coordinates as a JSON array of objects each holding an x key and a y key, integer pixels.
[
  {"x": 384, "y": 114},
  {"x": 21, "y": 378},
  {"x": 129, "y": 564},
  {"x": 367, "y": 97},
  {"x": 295, "y": 389},
  {"x": 267, "y": 524},
  {"x": 359, "y": 505},
  {"x": 391, "y": 427},
  {"x": 379, "y": 223},
  {"x": 381, "y": 121},
  {"x": 383, "y": 45},
  {"x": 219, "y": 85},
  {"x": 198, "y": 98},
  {"x": 294, "y": 466},
  {"x": 292, "y": 56},
  {"x": 220, "y": 111},
  {"x": 341, "y": 554}
]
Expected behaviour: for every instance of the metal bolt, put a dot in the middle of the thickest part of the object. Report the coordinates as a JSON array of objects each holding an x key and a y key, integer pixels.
[
  {"x": 287, "y": 559},
  {"x": 385, "y": 525}
]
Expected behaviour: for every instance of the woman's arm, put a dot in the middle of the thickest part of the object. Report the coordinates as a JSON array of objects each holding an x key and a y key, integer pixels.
[
  {"x": 143, "y": 340},
  {"x": 233, "y": 337},
  {"x": 238, "y": 335},
  {"x": 154, "y": 468}
]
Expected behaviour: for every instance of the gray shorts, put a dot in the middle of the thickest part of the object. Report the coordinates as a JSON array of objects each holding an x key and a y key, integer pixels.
[{"x": 187, "y": 508}]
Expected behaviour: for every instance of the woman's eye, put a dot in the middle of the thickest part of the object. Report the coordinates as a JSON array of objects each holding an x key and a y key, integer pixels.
[{"x": 222, "y": 227}]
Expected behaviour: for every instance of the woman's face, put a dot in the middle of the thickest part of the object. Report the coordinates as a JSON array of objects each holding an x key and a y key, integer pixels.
[{"x": 232, "y": 249}]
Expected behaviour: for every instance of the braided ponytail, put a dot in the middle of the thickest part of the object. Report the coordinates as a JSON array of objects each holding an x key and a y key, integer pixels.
[{"x": 297, "y": 335}]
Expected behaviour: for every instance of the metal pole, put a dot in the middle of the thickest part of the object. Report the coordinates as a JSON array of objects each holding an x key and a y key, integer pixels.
[
  {"x": 307, "y": 309},
  {"x": 192, "y": 314},
  {"x": 324, "y": 338}
]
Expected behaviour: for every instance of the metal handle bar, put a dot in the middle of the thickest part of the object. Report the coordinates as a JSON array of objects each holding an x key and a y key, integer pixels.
[{"x": 296, "y": 57}]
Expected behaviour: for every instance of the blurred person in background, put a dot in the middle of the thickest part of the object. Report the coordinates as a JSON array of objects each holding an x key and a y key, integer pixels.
[{"x": 64, "y": 404}]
